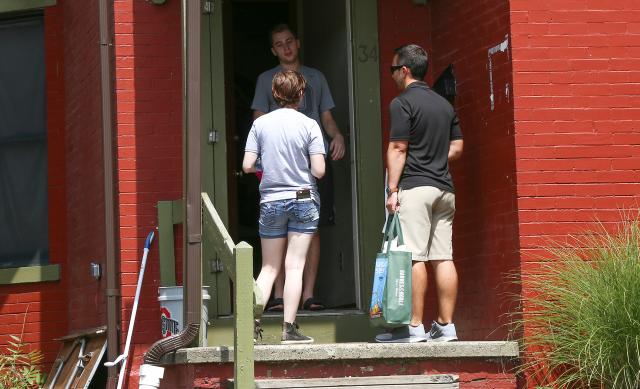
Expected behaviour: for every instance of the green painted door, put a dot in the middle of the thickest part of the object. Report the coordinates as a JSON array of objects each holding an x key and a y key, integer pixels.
[
  {"x": 368, "y": 166},
  {"x": 214, "y": 149}
]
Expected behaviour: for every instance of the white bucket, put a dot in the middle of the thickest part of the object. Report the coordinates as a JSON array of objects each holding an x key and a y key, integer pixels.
[
  {"x": 170, "y": 298},
  {"x": 150, "y": 376}
]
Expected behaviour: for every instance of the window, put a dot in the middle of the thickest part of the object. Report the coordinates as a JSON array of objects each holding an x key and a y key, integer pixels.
[{"x": 24, "y": 232}]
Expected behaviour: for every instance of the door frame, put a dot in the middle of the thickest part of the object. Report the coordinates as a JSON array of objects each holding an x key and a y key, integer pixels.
[
  {"x": 366, "y": 145},
  {"x": 214, "y": 159},
  {"x": 366, "y": 128}
]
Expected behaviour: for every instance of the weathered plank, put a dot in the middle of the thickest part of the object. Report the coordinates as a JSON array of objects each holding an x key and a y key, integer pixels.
[
  {"x": 214, "y": 228},
  {"x": 243, "y": 308}
]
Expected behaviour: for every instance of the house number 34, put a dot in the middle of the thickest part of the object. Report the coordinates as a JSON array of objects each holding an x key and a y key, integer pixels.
[{"x": 366, "y": 53}]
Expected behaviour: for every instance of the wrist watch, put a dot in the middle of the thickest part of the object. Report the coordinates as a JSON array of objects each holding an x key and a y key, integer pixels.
[{"x": 390, "y": 190}]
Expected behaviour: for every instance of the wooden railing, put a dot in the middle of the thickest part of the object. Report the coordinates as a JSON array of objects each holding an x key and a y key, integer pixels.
[{"x": 238, "y": 264}]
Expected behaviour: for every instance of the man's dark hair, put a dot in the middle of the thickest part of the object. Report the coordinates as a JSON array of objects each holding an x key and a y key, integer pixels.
[
  {"x": 287, "y": 87},
  {"x": 415, "y": 58},
  {"x": 280, "y": 28}
]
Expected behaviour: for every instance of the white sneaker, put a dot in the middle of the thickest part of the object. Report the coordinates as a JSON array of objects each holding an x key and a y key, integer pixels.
[
  {"x": 442, "y": 333},
  {"x": 404, "y": 334}
]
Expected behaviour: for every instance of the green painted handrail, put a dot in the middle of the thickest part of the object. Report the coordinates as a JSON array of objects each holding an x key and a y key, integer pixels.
[
  {"x": 238, "y": 263},
  {"x": 213, "y": 227}
]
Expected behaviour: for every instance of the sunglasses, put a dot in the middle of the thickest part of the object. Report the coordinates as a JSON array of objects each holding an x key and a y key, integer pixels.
[{"x": 393, "y": 68}]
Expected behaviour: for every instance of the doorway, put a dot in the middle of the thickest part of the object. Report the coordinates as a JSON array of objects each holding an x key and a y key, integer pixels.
[{"x": 322, "y": 28}]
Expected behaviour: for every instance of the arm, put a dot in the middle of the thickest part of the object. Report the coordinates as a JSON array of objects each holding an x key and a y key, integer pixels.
[
  {"x": 257, "y": 114},
  {"x": 317, "y": 165},
  {"x": 249, "y": 162},
  {"x": 455, "y": 149},
  {"x": 396, "y": 157},
  {"x": 336, "y": 148}
]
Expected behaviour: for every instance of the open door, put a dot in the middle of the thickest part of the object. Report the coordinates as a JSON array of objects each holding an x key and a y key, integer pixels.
[
  {"x": 236, "y": 50},
  {"x": 323, "y": 30},
  {"x": 215, "y": 172}
]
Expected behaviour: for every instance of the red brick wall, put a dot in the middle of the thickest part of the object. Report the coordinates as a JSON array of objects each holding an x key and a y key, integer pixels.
[
  {"x": 85, "y": 187},
  {"x": 399, "y": 22},
  {"x": 148, "y": 87},
  {"x": 576, "y": 76},
  {"x": 38, "y": 311},
  {"x": 473, "y": 374},
  {"x": 485, "y": 229}
]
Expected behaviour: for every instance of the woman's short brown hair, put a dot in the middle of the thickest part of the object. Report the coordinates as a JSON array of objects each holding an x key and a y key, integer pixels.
[{"x": 287, "y": 87}]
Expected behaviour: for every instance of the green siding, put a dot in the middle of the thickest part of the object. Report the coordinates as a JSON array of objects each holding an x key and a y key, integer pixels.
[
  {"x": 169, "y": 213},
  {"x": 24, "y": 5},
  {"x": 20, "y": 275}
]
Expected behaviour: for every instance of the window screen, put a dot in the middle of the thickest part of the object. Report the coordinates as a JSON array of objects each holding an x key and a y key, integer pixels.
[{"x": 24, "y": 235}]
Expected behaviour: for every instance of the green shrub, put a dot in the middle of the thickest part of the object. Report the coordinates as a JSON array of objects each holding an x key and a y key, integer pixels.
[
  {"x": 20, "y": 369},
  {"x": 581, "y": 316}
]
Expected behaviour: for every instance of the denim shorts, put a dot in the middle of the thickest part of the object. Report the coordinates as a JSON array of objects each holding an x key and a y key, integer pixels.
[{"x": 277, "y": 218}]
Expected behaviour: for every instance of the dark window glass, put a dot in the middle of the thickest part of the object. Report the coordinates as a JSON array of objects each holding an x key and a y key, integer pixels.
[{"x": 24, "y": 231}]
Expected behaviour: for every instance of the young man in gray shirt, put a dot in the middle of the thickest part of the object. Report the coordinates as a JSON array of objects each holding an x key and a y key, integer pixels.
[{"x": 316, "y": 103}]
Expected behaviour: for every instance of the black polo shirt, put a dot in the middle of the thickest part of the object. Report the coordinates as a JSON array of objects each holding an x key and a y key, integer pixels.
[{"x": 429, "y": 123}]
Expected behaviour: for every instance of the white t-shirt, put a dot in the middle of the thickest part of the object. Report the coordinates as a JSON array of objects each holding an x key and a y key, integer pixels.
[{"x": 284, "y": 139}]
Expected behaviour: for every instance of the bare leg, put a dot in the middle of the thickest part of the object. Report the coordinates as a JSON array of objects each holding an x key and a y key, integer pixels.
[
  {"x": 294, "y": 266},
  {"x": 278, "y": 288},
  {"x": 311, "y": 268},
  {"x": 418, "y": 290},
  {"x": 446, "y": 279},
  {"x": 272, "y": 258}
]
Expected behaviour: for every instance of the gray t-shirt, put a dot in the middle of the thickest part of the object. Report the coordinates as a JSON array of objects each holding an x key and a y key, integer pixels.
[
  {"x": 317, "y": 97},
  {"x": 284, "y": 139}
]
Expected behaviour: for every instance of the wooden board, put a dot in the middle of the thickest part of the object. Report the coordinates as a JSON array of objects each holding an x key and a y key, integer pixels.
[{"x": 94, "y": 350}]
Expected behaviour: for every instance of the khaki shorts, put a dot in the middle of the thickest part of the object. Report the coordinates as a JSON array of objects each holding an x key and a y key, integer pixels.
[{"x": 426, "y": 216}]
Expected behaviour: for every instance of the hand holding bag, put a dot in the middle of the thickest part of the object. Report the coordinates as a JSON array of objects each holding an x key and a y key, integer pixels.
[{"x": 391, "y": 295}]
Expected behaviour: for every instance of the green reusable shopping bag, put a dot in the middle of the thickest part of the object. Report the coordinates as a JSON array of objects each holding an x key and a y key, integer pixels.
[{"x": 391, "y": 295}]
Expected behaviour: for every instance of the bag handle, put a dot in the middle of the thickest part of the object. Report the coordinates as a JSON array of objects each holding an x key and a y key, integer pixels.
[
  {"x": 398, "y": 229},
  {"x": 392, "y": 230},
  {"x": 388, "y": 230}
]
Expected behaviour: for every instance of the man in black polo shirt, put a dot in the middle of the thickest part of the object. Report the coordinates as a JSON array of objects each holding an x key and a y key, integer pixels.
[{"x": 425, "y": 136}]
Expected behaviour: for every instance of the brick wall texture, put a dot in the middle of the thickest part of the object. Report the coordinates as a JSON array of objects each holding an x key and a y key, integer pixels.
[
  {"x": 576, "y": 77},
  {"x": 576, "y": 69},
  {"x": 148, "y": 88},
  {"x": 547, "y": 97},
  {"x": 485, "y": 229}
]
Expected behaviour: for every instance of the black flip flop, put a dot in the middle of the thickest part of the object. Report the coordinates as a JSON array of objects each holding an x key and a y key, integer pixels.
[
  {"x": 311, "y": 304},
  {"x": 275, "y": 305}
]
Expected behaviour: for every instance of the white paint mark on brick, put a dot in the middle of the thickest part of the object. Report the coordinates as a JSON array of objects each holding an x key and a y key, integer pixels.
[{"x": 499, "y": 48}]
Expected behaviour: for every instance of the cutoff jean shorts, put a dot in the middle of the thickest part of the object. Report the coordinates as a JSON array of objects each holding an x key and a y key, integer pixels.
[
  {"x": 278, "y": 218},
  {"x": 426, "y": 217}
]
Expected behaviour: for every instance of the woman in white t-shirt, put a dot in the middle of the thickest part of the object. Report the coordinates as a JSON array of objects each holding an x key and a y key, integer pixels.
[{"x": 291, "y": 150}]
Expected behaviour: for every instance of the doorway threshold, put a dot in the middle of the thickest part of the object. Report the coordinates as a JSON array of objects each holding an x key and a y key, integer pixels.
[
  {"x": 328, "y": 326},
  {"x": 303, "y": 313}
]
